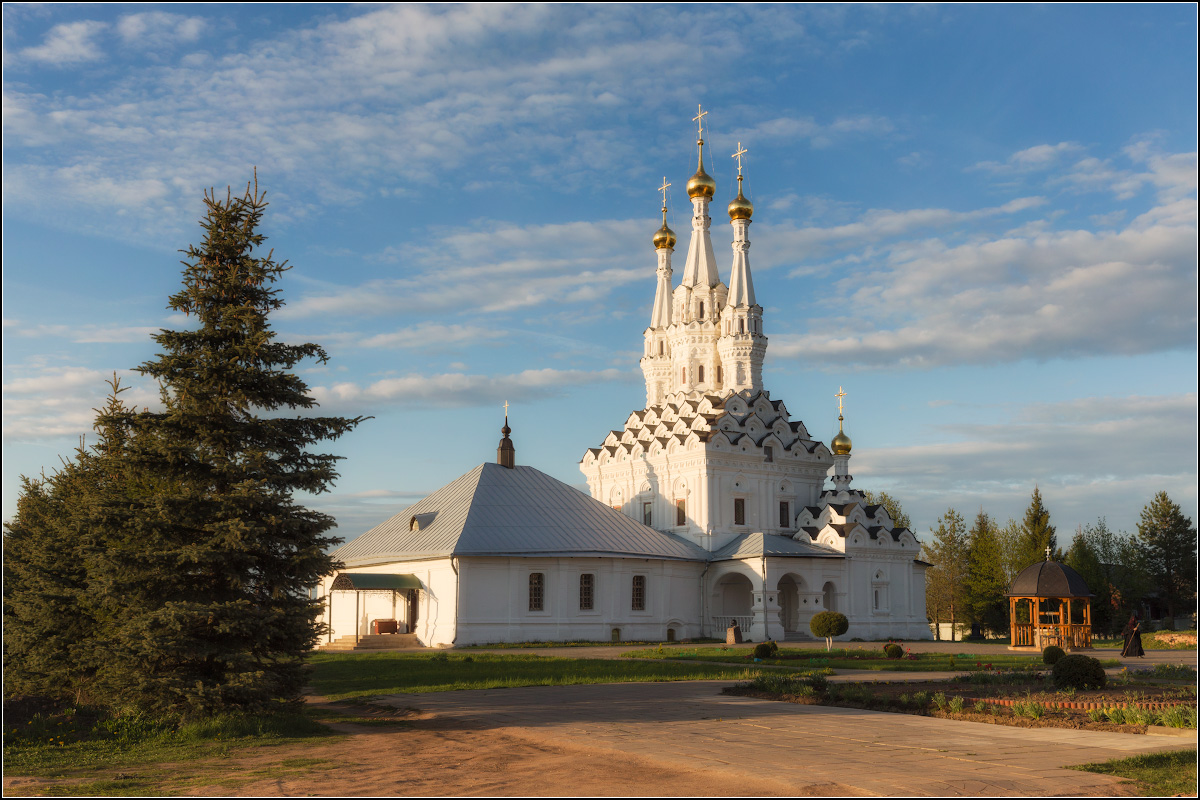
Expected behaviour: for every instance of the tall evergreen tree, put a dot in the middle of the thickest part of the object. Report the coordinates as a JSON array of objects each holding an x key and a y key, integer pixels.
[
  {"x": 1037, "y": 533},
  {"x": 944, "y": 580},
  {"x": 899, "y": 518},
  {"x": 50, "y": 631},
  {"x": 205, "y": 568},
  {"x": 1011, "y": 550},
  {"x": 1168, "y": 540},
  {"x": 986, "y": 584}
]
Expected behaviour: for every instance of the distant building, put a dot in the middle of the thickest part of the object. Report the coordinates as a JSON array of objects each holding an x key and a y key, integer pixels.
[{"x": 708, "y": 507}]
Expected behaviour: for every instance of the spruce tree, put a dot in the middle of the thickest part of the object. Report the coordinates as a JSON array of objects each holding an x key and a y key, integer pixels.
[
  {"x": 51, "y": 639},
  {"x": 986, "y": 584},
  {"x": 1037, "y": 533},
  {"x": 1168, "y": 540},
  {"x": 944, "y": 580},
  {"x": 206, "y": 566}
]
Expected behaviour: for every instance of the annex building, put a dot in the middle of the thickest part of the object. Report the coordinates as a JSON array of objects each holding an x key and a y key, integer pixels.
[{"x": 708, "y": 506}]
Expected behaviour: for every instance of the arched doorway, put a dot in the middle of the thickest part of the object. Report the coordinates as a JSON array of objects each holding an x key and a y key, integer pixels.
[
  {"x": 790, "y": 586},
  {"x": 732, "y": 601},
  {"x": 829, "y": 596}
]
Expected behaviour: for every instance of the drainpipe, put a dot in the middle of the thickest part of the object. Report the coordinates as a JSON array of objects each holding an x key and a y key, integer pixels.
[{"x": 457, "y": 595}]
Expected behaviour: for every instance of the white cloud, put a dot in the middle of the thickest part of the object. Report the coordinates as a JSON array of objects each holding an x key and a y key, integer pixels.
[
  {"x": 67, "y": 44},
  {"x": 462, "y": 390},
  {"x": 510, "y": 267},
  {"x": 1095, "y": 456},
  {"x": 153, "y": 29},
  {"x": 431, "y": 335},
  {"x": 60, "y": 401},
  {"x": 1038, "y": 157},
  {"x": 87, "y": 334}
]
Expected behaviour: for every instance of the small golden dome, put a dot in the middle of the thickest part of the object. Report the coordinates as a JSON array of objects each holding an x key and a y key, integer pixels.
[
  {"x": 841, "y": 443},
  {"x": 701, "y": 184},
  {"x": 664, "y": 236},
  {"x": 740, "y": 207}
]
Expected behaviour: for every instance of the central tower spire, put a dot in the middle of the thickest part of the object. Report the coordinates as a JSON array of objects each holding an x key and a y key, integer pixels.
[{"x": 701, "y": 266}]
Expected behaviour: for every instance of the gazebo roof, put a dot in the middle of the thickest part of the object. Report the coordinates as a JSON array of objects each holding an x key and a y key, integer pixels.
[{"x": 1049, "y": 579}]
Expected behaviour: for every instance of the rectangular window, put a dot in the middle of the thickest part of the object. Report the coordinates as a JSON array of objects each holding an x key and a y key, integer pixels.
[
  {"x": 769, "y": 452},
  {"x": 720, "y": 375},
  {"x": 587, "y": 587},
  {"x": 785, "y": 516},
  {"x": 700, "y": 375},
  {"x": 739, "y": 511},
  {"x": 639, "y": 592},
  {"x": 646, "y": 515},
  {"x": 537, "y": 591},
  {"x": 681, "y": 512}
]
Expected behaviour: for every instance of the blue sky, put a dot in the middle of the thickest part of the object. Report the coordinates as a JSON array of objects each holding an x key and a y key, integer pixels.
[{"x": 979, "y": 220}]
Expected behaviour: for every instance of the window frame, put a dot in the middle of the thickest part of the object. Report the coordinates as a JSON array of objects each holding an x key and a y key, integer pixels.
[
  {"x": 739, "y": 511},
  {"x": 587, "y": 589},
  {"x": 637, "y": 593},
  {"x": 537, "y": 591}
]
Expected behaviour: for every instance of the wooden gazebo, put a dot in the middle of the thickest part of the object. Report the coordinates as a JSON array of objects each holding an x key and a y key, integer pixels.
[{"x": 1049, "y": 603}]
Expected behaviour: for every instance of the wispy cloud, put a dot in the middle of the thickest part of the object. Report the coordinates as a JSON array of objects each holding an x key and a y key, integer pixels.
[
  {"x": 463, "y": 390},
  {"x": 1031, "y": 159},
  {"x": 154, "y": 29},
  {"x": 67, "y": 44}
]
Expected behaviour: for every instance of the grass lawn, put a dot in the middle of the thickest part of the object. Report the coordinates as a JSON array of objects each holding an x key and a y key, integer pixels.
[
  {"x": 575, "y": 643},
  {"x": 341, "y": 676},
  {"x": 1156, "y": 774},
  {"x": 105, "y": 756},
  {"x": 856, "y": 658}
]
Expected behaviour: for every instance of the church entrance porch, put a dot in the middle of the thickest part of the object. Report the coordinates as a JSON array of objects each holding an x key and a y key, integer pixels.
[
  {"x": 797, "y": 605},
  {"x": 732, "y": 603}
]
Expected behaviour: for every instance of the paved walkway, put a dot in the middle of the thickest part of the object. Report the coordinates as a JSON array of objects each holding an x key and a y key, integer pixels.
[{"x": 691, "y": 725}]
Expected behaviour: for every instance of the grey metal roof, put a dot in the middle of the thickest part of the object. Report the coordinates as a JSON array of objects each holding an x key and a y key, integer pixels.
[
  {"x": 748, "y": 545},
  {"x": 496, "y": 511}
]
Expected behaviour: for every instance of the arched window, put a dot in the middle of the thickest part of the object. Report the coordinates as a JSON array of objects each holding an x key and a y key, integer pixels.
[
  {"x": 700, "y": 375},
  {"x": 681, "y": 511},
  {"x": 741, "y": 326},
  {"x": 720, "y": 377},
  {"x": 701, "y": 309},
  {"x": 660, "y": 348}
]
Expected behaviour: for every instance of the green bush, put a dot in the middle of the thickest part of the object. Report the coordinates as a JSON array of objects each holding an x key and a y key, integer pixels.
[
  {"x": 829, "y": 624},
  {"x": 763, "y": 650},
  {"x": 893, "y": 650},
  {"x": 1052, "y": 654},
  {"x": 1080, "y": 671}
]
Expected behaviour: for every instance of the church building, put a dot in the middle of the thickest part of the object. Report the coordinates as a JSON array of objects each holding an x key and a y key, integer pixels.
[{"x": 708, "y": 507}]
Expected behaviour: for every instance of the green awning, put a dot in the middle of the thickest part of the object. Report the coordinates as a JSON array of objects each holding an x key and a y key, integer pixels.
[{"x": 374, "y": 582}]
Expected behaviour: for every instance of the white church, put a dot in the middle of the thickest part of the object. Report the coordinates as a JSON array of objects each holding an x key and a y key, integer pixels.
[{"x": 708, "y": 508}]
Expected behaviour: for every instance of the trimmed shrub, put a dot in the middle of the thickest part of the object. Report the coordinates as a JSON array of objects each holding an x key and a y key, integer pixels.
[
  {"x": 893, "y": 650},
  {"x": 1052, "y": 654},
  {"x": 763, "y": 650},
  {"x": 827, "y": 625},
  {"x": 1080, "y": 671}
]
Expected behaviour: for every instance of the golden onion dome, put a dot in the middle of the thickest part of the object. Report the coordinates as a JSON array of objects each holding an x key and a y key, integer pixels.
[
  {"x": 740, "y": 207},
  {"x": 701, "y": 184},
  {"x": 841, "y": 443},
  {"x": 664, "y": 236}
]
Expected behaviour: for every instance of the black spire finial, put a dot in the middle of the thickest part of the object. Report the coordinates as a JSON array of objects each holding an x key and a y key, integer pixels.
[{"x": 506, "y": 454}]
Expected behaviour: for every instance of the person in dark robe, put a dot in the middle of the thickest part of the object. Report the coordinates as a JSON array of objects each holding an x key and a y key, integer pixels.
[{"x": 1133, "y": 638}]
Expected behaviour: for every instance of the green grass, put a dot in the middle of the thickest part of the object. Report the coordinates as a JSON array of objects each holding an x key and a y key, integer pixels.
[
  {"x": 1156, "y": 774},
  {"x": 860, "y": 658},
  {"x": 574, "y": 643},
  {"x": 102, "y": 755},
  {"x": 340, "y": 676}
]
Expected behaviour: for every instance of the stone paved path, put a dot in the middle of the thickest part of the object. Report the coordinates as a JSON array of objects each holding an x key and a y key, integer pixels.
[{"x": 691, "y": 725}]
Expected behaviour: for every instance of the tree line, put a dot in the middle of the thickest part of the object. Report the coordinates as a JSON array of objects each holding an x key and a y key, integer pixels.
[
  {"x": 973, "y": 567},
  {"x": 166, "y": 568}
]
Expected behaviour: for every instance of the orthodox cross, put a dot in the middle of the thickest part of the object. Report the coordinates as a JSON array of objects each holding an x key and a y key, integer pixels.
[
  {"x": 505, "y": 410},
  {"x": 1047, "y": 553},
  {"x": 663, "y": 189},
  {"x": 741, "y": 151},
  {"x": 840, "y": 394},
  {"x": 699, "y": 120}
]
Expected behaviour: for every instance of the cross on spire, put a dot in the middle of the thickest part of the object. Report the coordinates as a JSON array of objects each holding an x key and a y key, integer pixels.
[
  {"x": 699, "y": 120},
  {"x": 1047, "y": 553},
  {"x": 741, "y": 151},
  {"x": 663, "y": 189},
  {"x": 506, "y": 409},
  {"x": 840, "y": 394}
]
